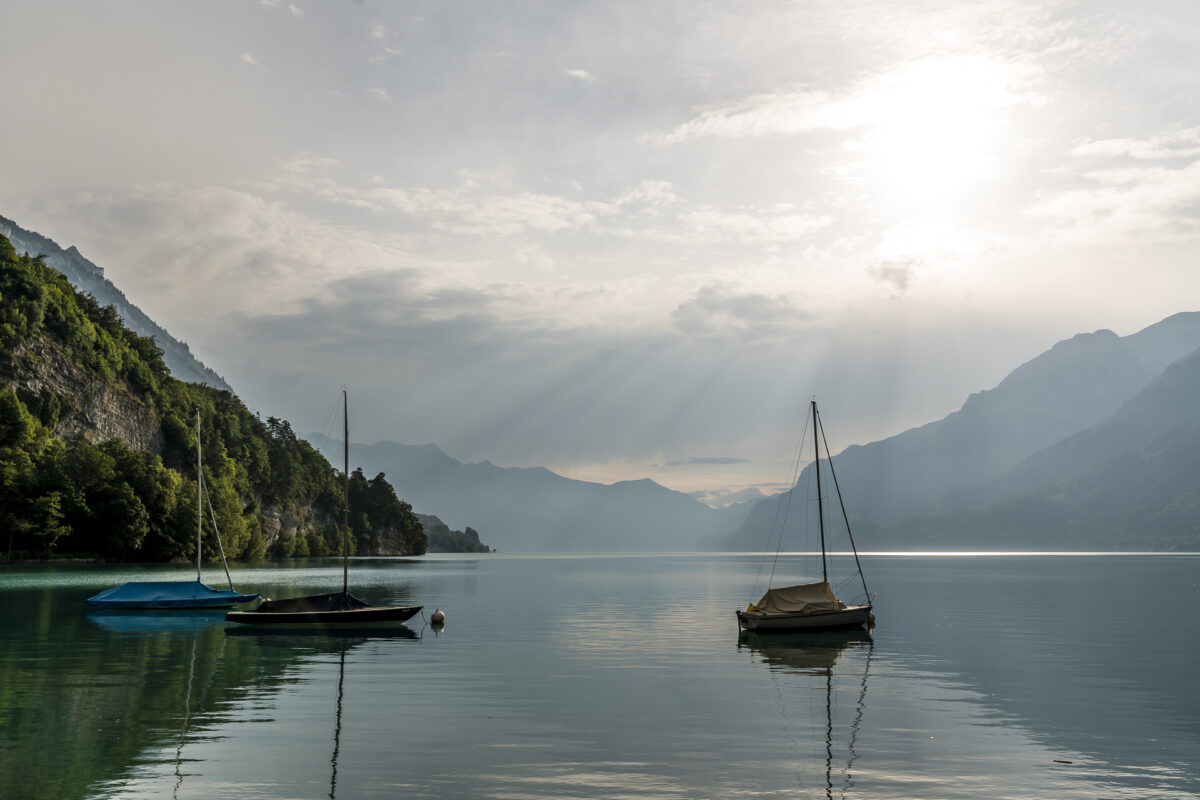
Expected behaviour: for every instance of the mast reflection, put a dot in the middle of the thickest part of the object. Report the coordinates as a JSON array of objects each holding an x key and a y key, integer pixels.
[{"x": 816, "y": 655}]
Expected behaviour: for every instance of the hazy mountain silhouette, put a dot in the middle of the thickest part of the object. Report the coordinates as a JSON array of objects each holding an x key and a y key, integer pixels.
[
  {"x": 942, "y": 470},
  {"x": 1128, "y": 482},
  {"x": 535, "y": 510},
  {"x": 89, "y": 278}
]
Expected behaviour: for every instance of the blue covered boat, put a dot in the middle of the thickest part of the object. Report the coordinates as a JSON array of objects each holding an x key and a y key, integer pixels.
[
  {"x": 178, "y": 594},
  {"x": 167, "y": 594}
]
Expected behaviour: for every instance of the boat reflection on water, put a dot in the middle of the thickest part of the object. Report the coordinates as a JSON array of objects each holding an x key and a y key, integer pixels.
[
  {"x": 305, "y": 636},
  {"x": 324, "y": 640},
  {"x": 816, "y": 656},
  {"x": 135, "y": 623},
  {"x": 806, "y": 653}
]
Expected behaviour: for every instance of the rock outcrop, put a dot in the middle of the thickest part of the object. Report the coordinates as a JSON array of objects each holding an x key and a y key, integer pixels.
[{"x": 84, "y": 404}]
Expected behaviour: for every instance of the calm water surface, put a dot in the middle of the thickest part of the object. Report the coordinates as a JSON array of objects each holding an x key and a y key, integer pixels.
[{"x": 599, "y": 677}]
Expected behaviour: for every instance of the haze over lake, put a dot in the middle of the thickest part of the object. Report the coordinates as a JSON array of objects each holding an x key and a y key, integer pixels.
[{"x": 584, "y": 676}]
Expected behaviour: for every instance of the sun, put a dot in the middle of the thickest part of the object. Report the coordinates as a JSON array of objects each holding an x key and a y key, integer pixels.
[{"x": 934, "y": 130}]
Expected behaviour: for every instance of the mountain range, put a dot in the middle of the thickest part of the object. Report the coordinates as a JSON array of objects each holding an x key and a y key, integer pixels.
[
  {"x": 1092, "y": 444},
  {"x": 535, "y": 510}
]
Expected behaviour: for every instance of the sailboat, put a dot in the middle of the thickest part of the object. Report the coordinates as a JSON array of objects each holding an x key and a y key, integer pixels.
[
  {"x": 811, "y": 606},
  {"x": 334, "y": 609},
  {"x": 178, "y": 594}
]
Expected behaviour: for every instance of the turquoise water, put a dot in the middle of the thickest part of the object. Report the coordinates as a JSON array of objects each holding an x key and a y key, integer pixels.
[{"x": 582, "y": 677}]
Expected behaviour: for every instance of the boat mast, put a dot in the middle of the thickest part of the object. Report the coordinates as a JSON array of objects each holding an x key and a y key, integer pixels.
[
  {"x": 346, "y": 505},
  {"x": 199, "y": 496},
  {"x": 820, "y": 508}
]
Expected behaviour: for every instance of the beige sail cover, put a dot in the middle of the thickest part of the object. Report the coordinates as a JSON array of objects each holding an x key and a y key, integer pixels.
[{"x": 803, "y": 599}]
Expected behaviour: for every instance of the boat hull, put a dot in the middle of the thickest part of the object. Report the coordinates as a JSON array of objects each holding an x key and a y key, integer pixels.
[
  {"x": 336, "y": 609},
  {"x": 372, "y": 615},
  {"x": 763, "y": 622}
]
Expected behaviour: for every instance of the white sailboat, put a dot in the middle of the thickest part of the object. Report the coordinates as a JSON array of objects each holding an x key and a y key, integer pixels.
[{"x": 811, "y": 606}]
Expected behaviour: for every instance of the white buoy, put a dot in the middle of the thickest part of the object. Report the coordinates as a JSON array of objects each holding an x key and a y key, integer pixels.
[{"x": 438, "y": 617}]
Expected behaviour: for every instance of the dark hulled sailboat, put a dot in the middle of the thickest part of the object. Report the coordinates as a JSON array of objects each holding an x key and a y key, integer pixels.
[{"x": 337, "y": 608}]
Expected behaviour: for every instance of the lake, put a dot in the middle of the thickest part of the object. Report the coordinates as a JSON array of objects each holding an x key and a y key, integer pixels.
[{"x": 1057, "y": 676}]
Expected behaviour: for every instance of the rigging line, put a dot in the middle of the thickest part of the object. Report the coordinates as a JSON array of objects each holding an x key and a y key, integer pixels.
[
  {"x": 845, "y": 517},
  {"x": 326, "y": 431},
  {"x": 843, "y": 582},
  {"x": 785, "y": 503},
  {"x": 216, "y": 530},
  {"x": 786, "y": 506}
]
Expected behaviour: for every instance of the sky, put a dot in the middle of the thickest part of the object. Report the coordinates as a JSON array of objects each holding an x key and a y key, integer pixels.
[{"x": 621, "y": 239}]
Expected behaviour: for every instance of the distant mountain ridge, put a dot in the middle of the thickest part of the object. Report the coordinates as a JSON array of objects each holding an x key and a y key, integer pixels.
[
  {"x": 1130, "y": 482},
  {"x": 89, "y": 278},
  {"x": 946, "y": 483},
  {"x": 531, "y": 509}
]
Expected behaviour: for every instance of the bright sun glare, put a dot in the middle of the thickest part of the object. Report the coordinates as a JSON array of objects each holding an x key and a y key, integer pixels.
[{"x": 934, "y": 130}]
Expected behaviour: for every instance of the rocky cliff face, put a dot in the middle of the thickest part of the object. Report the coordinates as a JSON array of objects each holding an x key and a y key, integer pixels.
[
  {"x": 86, "y": 405},
  {"x": 281, "y": 525}
]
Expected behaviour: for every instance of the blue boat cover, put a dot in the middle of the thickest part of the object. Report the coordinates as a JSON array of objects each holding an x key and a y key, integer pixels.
[{"x": 167, "y": 594}]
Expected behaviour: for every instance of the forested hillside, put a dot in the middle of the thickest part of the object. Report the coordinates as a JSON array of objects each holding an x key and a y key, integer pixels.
[
  {"x": 98, "y": 447},
  {"x": 89, "y": 278}
]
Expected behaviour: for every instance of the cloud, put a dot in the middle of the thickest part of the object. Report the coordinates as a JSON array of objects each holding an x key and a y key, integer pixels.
[
  {"x": 894, "y": 273},
  {"x": 251, "y": 60},
  {"x": 930, "y": 93},
  {"x": 720, "y": 310},
  {"x": 378, "y": 94},
  {"x": 464, "y": 210},
  {"x": 582, "y": 75},
  {"x": 714, "y": 460},
  {"x": 794, "y": 111},
  {"x": 750, "y": 225},
  {"x": 296, "y": 12},
  {"x": 650, "y": 193},
  {"x": 650, "y": 210},
  {"x": 1128, "y": 204},
  {"x": 1172, "y": 144}
]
